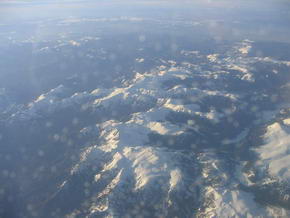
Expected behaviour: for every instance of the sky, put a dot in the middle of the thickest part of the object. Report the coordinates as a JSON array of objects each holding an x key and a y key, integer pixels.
[{"x": 29, "y": 9}]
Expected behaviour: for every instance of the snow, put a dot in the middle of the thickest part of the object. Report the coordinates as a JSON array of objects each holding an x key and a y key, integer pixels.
[
  {"x": 286, "y": 122},
  {"x": 175, "y": 178},
  {"x": 140, "y": 60},
  {"x": 236, "y": 203},
  {"x": 144, "y": 92},
  {"x": 274, "y": 155},
  {"x": 74, "y": 43},
  {"x": 144, "y": 166},
  {"x": 121, "y": 134},
  {"x": 223, "y": 198},
  {"x": 213, "y": 57},
  {"x": 124, "y": 154},
  {"x": 245, "y": 50},
  {"x": 178, "y": 106}
]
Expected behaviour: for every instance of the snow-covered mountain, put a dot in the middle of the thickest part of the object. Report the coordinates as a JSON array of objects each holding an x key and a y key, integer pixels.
[{"x": 183, "y": 140}]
